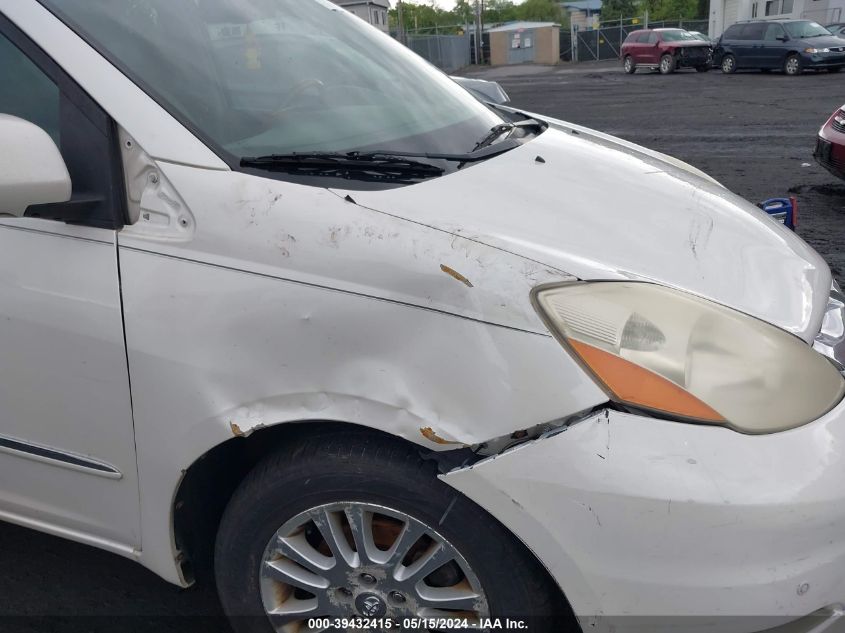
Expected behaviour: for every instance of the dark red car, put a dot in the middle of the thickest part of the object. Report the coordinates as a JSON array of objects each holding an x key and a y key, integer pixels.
[
  {"x": 830, "y": 144},
  {"x": 665, "y": 50}
]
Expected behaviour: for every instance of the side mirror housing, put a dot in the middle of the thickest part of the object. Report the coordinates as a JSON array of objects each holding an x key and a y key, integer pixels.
[{"x": 32, "y": 170}]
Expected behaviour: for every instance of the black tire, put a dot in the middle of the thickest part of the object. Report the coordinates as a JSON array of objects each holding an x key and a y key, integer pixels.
[
  {"x": 702, "y": 69},
  {"x": 667, "y": 64},
  {"x": 367, "y": 468},
  {"x": 793, "y": 65},
  {"x": 728, "y": 64},
  {"x": 628, "y": 65}
]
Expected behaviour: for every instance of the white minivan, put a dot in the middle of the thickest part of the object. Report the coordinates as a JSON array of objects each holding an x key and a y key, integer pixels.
[{"x": 278, "y": 295}]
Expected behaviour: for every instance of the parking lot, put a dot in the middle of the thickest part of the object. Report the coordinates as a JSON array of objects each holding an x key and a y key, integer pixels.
[{"x": 752, "y": 132}]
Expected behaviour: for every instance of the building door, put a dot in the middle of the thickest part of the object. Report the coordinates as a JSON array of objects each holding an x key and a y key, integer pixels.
[{"x": 521, "y": 46}]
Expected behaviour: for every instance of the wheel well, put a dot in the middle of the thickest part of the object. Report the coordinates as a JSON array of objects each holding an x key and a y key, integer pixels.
[{"x": 211, "y": 480}]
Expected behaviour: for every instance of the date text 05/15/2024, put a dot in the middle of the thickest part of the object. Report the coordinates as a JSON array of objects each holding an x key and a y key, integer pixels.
[{"x": 408, "y": 624}]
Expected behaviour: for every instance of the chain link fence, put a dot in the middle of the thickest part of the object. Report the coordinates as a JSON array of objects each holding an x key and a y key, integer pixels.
[
  {"x": 605, "y": 41},
  {"x": 450, "y": 48}
]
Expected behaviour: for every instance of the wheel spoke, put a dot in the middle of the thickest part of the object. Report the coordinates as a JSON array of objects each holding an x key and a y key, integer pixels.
[
  {"x": 461, "y": 597},
  {"x": 288, "y": 572},
  {"x": 331, "y": 529},
  {"x": 299, "y": 550},
  {"x": 409, "y": 536},
  {"x": 292, "y": 611},
  {"x": 435, "y": 557},
  {"x": 361, "y": 526}
]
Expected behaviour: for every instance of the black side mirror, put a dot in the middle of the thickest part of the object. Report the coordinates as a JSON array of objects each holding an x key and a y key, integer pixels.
[{"x": 783, "y": 38}]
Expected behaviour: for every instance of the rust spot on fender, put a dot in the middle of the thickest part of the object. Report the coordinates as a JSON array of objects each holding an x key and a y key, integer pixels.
[
  {"x": 429, "y": 434},
  {"x": 454, "y": 273}
]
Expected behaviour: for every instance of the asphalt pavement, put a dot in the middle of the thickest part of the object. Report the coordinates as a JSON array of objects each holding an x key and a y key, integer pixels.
[{"x": 752, "y": 132}]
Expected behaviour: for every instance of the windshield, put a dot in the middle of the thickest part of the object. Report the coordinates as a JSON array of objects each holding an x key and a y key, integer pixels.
[
  {"x": 677, "y": 36},
  {"x": 805, "y": 29},
  {"x": 259, "y": 77}
]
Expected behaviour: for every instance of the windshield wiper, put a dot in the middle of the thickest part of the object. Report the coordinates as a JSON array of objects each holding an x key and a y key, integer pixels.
[
  {"x": 373, "y": 166},
  {"x": 495, "y": 132}
]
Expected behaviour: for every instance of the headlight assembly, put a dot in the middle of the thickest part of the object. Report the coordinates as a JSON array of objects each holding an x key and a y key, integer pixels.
[{"x": 684, "y": 357}]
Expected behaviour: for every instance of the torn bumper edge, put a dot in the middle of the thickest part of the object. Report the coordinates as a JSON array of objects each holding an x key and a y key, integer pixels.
[{"x": 680, "y": 525}]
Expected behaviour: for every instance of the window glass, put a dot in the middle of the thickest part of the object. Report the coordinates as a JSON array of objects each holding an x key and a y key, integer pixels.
[
  {"x": 26, "y": 92},
  {"x": 652, "y": 38},
  {"x": 733, "y": 32},
  {"x": 676, "y": 35},
  {"x": 805, "y": 28},
  {"x": 773, "y": 32},
  {"x": 259, "y": 77},
  {"x": 772, "y": 7},
  {"x": 753, "y": 31},
  {"x": 787, "y": 5},
  {"x": 754, "y": 9}
]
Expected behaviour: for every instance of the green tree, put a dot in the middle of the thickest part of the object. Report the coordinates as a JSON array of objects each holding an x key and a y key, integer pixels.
[
  {"x": 613, "y": 9},
  {"x": 540, "y": 11}
]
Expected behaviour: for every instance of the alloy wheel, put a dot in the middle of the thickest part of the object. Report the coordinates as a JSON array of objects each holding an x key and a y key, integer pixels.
[
  {"x": 359, "y": 560},
  {"x": 728, "y": 64},
  {"x": 793, "y": 65}
]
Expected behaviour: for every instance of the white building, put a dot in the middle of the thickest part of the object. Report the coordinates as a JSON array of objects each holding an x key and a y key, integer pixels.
[
  {"x": 372, "y": 11},
  {"x": 723, "y": 13}
]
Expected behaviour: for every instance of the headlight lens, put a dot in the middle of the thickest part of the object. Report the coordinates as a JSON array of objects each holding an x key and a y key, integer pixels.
[
  {"x": 816, "y": 50},
  {"x": 682, "y": 356}
]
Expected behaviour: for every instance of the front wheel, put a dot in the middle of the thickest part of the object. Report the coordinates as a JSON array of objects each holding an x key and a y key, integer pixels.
[
  {"x": 353, "y": 525},
  {"x": 728, "y": 64},
  {"x": 628, "y": 65},
  {"x": 793, "y": 66},
  {"x": 667, "y": 64}
]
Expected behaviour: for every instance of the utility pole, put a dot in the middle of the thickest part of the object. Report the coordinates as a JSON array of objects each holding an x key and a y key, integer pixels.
[
  {"x": 481, "y": 41},
  {"x": 401, "y": 18},
  {"x": 478, "y": 33}
]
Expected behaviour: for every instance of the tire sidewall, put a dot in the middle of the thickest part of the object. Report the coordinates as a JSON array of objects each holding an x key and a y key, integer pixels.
[
  {"x": 251, "y": 522},
  {"x": 798, "y": 66},
  {"x": 669, "y": 66}
]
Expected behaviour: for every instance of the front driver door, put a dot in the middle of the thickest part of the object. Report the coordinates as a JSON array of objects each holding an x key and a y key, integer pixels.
[{"x": 67, "y": 459}]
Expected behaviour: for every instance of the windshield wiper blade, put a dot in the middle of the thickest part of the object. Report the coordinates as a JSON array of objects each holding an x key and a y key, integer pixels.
[
  {"x": 349, "y": 165},
  {"x": 495, "y": 132}
]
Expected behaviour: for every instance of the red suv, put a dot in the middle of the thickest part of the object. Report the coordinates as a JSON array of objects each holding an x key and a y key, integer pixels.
[{"x": 665, "y": 50}]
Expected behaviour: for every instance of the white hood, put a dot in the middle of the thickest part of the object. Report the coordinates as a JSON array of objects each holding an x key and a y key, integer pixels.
[{"x": 601, "y": 208}]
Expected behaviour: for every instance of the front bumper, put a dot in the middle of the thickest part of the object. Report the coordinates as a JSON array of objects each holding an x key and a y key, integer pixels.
[
  {"x": 662, "y": 526},
  {"x": 823, "y": 60},
  {"x": 688, "y": 58},
  {"x": 830, "y": 151}
]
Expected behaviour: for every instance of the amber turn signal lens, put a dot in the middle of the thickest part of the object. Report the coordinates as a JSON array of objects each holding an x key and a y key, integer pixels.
[{"x": 631, "y": 384}]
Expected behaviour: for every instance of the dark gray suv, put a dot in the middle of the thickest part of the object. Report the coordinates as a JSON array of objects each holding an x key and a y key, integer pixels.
[{"x": 788, "y": 45}]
